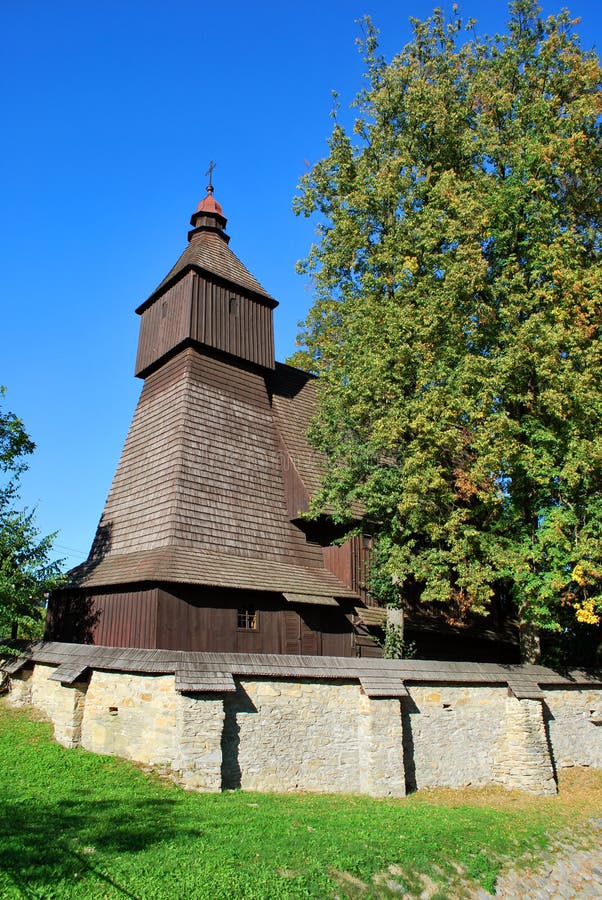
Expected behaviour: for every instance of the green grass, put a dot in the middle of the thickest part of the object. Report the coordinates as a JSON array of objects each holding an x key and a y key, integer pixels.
[{"x": 78, "y": 825}]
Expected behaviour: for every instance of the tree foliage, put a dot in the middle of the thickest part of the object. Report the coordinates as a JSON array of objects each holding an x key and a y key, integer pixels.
[
  {"x": 456, "y": 326},
  {"x": 27, "y": 572}
]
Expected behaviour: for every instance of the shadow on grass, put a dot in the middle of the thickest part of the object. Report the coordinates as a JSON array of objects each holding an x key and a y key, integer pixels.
[{"x": 45, "y": 844}]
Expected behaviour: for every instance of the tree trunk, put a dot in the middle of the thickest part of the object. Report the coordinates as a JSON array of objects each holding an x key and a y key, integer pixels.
[
  {"x": 396, "y": 616},
  {"x": 529, "y": 643}
]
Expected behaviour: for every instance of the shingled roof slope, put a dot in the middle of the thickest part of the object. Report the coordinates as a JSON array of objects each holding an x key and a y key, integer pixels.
[
  {"x": 209, "y": 252},
  {"x": 182, "y": 565},
  {"x": 198, "y": 496},
  {"x": 294, "y": 404}
]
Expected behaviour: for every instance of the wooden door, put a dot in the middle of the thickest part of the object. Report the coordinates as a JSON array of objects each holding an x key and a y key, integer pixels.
[
  {"x": 291, "y": 632},
  {"x": 311, "y": 638}
]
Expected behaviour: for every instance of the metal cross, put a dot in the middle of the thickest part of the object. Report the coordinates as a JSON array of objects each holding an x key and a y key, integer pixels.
[{"x": 209, "y": 172}]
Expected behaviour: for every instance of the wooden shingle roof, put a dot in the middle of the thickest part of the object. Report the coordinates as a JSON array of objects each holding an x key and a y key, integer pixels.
[
  {"x": 208, "y": 252},
  {"x": 198, "y": 496},
  {"x": 206, "y": 567},
  {"x": 294, "y": 404}
]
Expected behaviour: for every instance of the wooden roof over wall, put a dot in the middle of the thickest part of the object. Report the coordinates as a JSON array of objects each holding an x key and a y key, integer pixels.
[
  {"x": 205, "y": 567},
  {"x": 215, "y": 672},
  {"x": 294, "y": 404}
]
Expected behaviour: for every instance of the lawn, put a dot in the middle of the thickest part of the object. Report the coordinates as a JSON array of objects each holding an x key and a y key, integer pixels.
[{"x": 78, "y": 825}]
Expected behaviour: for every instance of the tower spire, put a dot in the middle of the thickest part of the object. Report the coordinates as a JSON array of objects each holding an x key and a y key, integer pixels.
[
  {"x": 209, "y": 172},
  {"x": 209, "y": 215}
]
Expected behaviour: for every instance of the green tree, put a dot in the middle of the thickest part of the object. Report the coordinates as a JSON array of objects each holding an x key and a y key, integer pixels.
[
  {"x": 27, "y": 572},
  {"x": 456, "y": 326}
]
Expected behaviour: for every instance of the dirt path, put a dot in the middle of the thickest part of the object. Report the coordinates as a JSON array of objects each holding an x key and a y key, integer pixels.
[{"x": 571, "y": 867}]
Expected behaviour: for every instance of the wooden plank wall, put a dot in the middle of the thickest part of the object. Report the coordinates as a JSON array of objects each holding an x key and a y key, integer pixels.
[
  {"x": 189, "y": 618},
  {"x": 165, "y": 324},
  {"x": 126, "y": 618},
  {"x": 110, "y": 618},
  {"x": 350, "y": 563},
  {"x": 185, "y": 623},
  {"x": 197, "y": 619},
  {"x": 212, "y": 314},
  {"x": 224, "y": 318}
]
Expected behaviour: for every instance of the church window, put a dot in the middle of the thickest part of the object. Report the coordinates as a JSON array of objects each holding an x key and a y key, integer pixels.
[{"x": 247, "y": 618}]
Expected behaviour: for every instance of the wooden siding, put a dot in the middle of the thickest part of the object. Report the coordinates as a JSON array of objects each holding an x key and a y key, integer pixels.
[
  {"x": 210, "y": 312},
  {"x": 202, "y": 619},
  {"x": 108, "y": 618},
  {"x": 350, "y": 562},
  {"x": 447, "y": 645},
  {"x": 190, "y": 619},
  {"x": 165, "y": 324},
  {"x": 366, "y": 647},
  {"x": 229, "y": 320},
  {"x": 126, "y": 618}
]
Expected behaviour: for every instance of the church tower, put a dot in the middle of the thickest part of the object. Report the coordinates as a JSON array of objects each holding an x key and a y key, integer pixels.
[
  {"x": 200, "y": 545},
  {"x": 208, "y": 299}
]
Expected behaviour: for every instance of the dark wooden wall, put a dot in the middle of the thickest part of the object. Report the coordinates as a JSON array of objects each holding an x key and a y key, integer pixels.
[
  {"x": 230, "y": 321},
  {"x": 211, "y": 313},
  {"x": 197, "y": 619},
  {"x": 112, "y": 618},
  {"x": 203, "y": 619},
  {"x": 126, "y": 618},
  {"x": 187, "y": 618},
  {"x": 165, "y": 324},
  {"x": 350, "y": 562}
]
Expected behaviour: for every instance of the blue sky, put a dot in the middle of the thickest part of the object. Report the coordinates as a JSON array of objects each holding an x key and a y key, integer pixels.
[{"x": 112, "y": 111}]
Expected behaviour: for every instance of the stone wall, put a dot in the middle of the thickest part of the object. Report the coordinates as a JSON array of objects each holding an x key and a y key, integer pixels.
[
  {"x": 199, "y": 730},
  {"x": 574, "y": 724},
  {"x": 298, "y": 733},
  {"x": 133, "y": 716},
  {"x": 468, "y": 721},
  {"x": 522, "y": 755},
  {"x": 64, "y": 705},
  {"x": 304, "y": 734},
  {"x": 381, "y": 762}
]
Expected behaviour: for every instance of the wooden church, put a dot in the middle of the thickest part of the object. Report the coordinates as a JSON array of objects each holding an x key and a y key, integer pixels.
[{"x": 201, "y": 545}]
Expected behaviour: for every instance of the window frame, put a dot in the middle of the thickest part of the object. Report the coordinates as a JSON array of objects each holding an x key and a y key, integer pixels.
[{"x": 247, "y": 614}]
